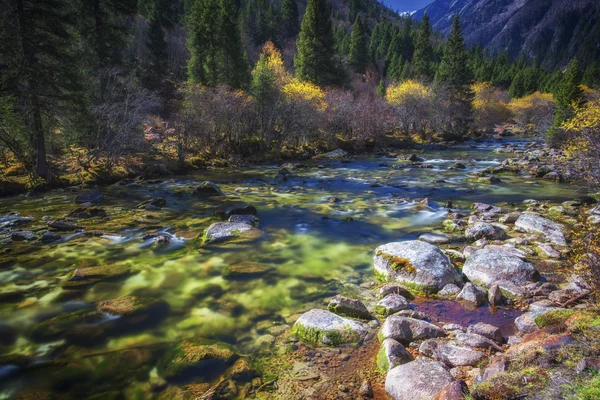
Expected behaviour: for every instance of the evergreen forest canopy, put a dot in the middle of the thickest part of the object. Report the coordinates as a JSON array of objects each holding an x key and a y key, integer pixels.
[{"x": 97, "y": 89}]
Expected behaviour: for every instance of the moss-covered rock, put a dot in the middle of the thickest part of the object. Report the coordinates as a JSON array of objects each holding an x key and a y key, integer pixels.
[
  {"x": 246, "y": 270},
  {"x": 227, "y": 231},
  {"x": 78, "y": 326},
  {"x": 196, "y": 358},
  {"x": 83, "y": 277},
  {"x": 135, "y": 310},
  {"x": 321, "y": 327}
]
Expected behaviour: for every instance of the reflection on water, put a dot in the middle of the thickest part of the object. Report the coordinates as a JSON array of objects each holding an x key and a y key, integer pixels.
[{"x": 313, "y": 248}]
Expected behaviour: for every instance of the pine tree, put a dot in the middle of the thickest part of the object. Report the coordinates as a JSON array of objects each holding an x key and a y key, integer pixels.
[
  {"x": 381, "y": 89},
  {"x": 569, "y": 94},
  {"x": 264, "y": 90},
  {"x": 359, "y": 56},
  {"x": 204, "y": 42},
  {"x": 273, "y": 33},
  {"x": 353, "y": 9},
  {"x": 517, "y": 87},
  {"x": 38, "y": 69},
  {"x": 157, "y": 46},
  {"x": 233, "y": 61},
  {"x": 454, "y": 71},
  {"x": 315, "y": 60},
  {"x": 290, "y": 18},
  {"x": 423, "y": 55}
]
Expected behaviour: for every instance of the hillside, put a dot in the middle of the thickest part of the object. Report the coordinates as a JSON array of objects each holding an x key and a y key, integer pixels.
[{"x": 552, "y": 31}]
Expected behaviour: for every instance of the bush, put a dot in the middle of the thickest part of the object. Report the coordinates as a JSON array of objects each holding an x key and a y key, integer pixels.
[
  {"x": 490, "y": 107},
  {"x": 534, "y": 112}
]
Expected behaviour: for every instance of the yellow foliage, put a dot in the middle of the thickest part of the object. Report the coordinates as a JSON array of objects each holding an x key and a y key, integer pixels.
[
  {"x": 586, "y": 118},
  {"x": 296, "y": 90},
  {"x": 274, "y": 61},
  {"x": 489, "y": 106},
  {"x": 535, "y": 110},
  {"x": 407, "y": 90},
  {"x": 530, "y": 102}
]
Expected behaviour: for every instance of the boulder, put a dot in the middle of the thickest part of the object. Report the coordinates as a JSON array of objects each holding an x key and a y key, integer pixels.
[
  {"x": 251, "y": 220},
  {"x": 472, "y": 295},
  {"x": 386, "y": 290},
  {"x": 50, "y": 237},
  {"x": 487, "y": 266},
  {"x": 476, "y": 341},
  {"x": 391, "y": 354},
  {"x": 324, "y": 327},
  {"x": 416, "y": 264},
  {"x": 339, "y": 153},
  {"x": 487, "y": 330},
  {"x": 390, "y": 305},
  {"x": 534, "y": 223},
  {"x": 421, "y": 379},
  {"x": 349, "y": 307},
  {"x": 450, "y": 354},
  {"x": 83, "y": 277},
  {"x": 449, "y": 290},
  {"x": 406, "y": 330},
  {"x": 225, "y": 231},
  {"x": 207, "y": 189},
  {"x": 22, "y": 236},
  {"x": 481, "y": 230},
  {"x": 134, "y": 310},
  {"x": 456, "y": 390},
  {"x": 64, "y": 225}
]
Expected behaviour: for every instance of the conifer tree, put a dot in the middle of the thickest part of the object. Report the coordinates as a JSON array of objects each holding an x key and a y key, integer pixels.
[
  {"x": 454, "y": 72},
  {"x": 359, "y": 56},
  {"x": 423, "y": 55},
  {"x": 290, "y": 18},
  {"x": 158, "y": 49},
  {"x": 569, "y": 94},
  {"x": 315, "y": 60},
  {"x": 204, "y": 42},
  {"x": 381, "y": 89},
  {"x": 233, "y": 65}
]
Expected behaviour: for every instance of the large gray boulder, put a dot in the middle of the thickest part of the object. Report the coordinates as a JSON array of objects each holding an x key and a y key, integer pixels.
[
  {"x": 226, "y": 231},
  {"x": 534, "y": 223},
  {"x": 207, "y": 189},
  {"x": 488, "y": 266},
  {"x": 349, "y": 307},
  {"x": 406, "y": 330},
  {"x": 450, "y": 354},
  {"x": 416, "y": 264},
  {"x": 421, "y": 379},
  {"x": 326, "y": 328}
]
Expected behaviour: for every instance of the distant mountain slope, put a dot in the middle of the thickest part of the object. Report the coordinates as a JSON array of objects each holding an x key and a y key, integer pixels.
[{"x": 554, "y": 31}]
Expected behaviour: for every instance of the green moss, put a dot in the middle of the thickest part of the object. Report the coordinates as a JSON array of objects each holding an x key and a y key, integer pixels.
[
  {"x": 382, "y": 362},
  {"x": 381, "y": 276},
  {"x": 588, "y": 390},
  {"x": 553, "y": 317},
  {"x": 315, "y": 336}
]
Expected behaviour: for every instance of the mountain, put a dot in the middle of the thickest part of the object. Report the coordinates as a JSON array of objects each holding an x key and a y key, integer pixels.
[
  {"x": 551, "y": 31},
  {"x": 406, "y": 5}
]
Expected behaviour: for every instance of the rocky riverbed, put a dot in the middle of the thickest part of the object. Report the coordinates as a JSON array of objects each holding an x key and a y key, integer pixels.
[{"x": 416, "y": 275}]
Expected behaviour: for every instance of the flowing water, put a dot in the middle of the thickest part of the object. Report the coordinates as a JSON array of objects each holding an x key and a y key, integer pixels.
[{"x": 314, "y": 248}]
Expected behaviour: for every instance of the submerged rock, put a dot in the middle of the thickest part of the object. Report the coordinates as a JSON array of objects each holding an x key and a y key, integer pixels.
[
  {"x": 324, "y": 327},
  {"x": 207, "y": 189},
  {"x": 486, "y": 267},
  {"x": 22, "y": 236},
  {"x": 434, "y": 238},
  {"x": 406, "y": 330},
  {"x": 50, "y": 237},
  {"x": 349, "y": 307},
  {"x": 421, "y": 379},
  {"x": 196, "y": 359},
  {"x": 225, "y": 231},
  {"x": 83, "y": 277},
  {"x": 391, "y": 354},
  {"x": 246, "y": 270},
  {"x": 91, "y": 196},
  {"x": 414, "y": 263},
  {"x": 533, "y": 223},
  {"x": 64, "y": 225}
]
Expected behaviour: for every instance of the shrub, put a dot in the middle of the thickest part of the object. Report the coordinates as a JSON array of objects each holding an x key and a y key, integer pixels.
[
  {"x": 490, "y": 107},
  {"x": 534, "y": 112}
]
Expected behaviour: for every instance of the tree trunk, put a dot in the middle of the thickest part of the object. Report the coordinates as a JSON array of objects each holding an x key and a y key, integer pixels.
[{"x": 37, "y": 128}]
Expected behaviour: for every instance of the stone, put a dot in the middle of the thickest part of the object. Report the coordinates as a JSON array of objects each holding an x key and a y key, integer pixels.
[
  {"x": 406, "y": 330},
  {"x": 456, "y": 390},
  {"x": 220, "y": 232},
  {"x": 481, "y": 230},
  {"x": 526, "y": 322},
  {"x": 90, "y": 196},
  {"x": 498, "y": 364},
  {"x": 534, "y": 223},
  {"x": 134, "y": 310},
  {"x": 349, "y": 307},
  {"x": 207, "y": 189},
  {"x": 386, "y": 290},
  {"x": 481, "y": 207},
  {"x": 471, "y": 295},
  {"x": 421, "y": 379},
  {"x": 449, "y": 290},
  {"x": 63, "y": 225},
  {"x": 450, "y": 354},
  {"x": 476, "y": 341},
  {"x": 87, "y": 212},
  {"x": 510, "y": 218},
  {"x": 326, "y": 328},
  {"x": 487, "y": 330},
  {"x": 391, "y": 354},
  {"x": 494, "y": 295},
  {"x": 366, "y": 390},
  {"x": 246, "y": 270},
  {"x": 453, "y": 327},
  {"x": 547, "y": 250},
  {"x": 417, "y": 264},
  {"x": 486, "y": 267},
  {"x": 390, "y": 305},
  {"x": 588, "y": 364},
  {"x": 251, "y": 220},
  {"x": 339, "y": 153},
  {"x": 193, "y": 357},
  {"x": 434, "y": 238},
  {"x": 83, "y": 277},
  {"x": 412, "y": 314},
  {"x": 22, "y": 236}
]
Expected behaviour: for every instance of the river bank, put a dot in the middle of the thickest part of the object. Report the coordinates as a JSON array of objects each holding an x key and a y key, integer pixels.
[{"x": 173, "y": 288}]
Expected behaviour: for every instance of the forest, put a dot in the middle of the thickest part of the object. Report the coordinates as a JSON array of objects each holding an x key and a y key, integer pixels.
[{"x": 90, "y": 88}]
